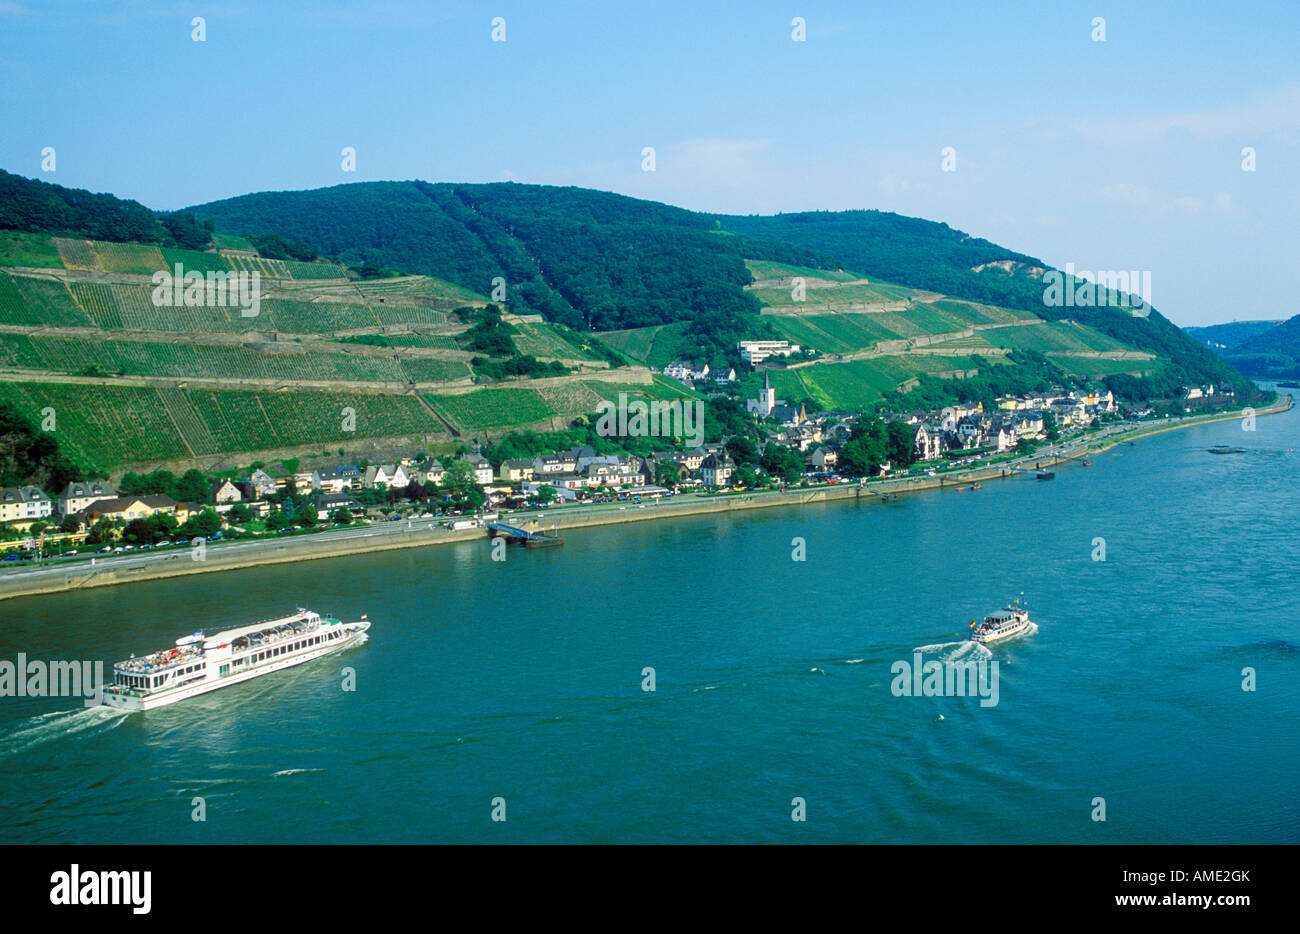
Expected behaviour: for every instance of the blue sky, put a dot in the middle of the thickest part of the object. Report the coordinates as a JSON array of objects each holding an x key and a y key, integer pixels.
[{"x": 1123, "y": 154}]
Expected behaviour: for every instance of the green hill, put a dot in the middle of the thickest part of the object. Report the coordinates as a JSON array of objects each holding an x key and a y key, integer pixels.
[
  {"x": 1263, "y": 349},
  {"x": 598, "y": 287}
]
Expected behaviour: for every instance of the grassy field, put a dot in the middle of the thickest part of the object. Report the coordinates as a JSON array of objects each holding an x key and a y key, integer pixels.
[
  {"x": 28, "y": 249},
  {"x": 197, "y": 260},
  {"x": 635, "y": 342}
]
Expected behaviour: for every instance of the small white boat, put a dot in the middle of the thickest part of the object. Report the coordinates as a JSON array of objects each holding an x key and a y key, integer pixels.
[{"x": 1002, "y": 624}]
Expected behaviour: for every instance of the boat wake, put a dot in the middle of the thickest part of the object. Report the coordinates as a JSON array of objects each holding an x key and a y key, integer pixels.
[
  {"x": 58, "y": 724},
  {"x": 954, "y": 651}
]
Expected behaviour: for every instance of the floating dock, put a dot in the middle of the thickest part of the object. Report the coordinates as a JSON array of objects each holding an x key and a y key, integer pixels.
[{"x": 517, "y": 536}]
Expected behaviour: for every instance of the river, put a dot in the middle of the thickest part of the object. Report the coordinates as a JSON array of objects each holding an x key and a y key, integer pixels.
[{"x": 517, "y": 686}]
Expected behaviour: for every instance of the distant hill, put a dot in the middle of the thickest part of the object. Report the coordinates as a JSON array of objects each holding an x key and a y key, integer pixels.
[
  {"x": 1263, "y": 349},
  {"x": 1228, "y": 337}
]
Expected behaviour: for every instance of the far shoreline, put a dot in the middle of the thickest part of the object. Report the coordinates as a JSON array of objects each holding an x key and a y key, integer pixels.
[{"x": 248, "y": 554}]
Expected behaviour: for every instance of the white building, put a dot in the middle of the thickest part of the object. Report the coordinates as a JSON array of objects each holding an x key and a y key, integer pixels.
[
  {"x": 24, "y": 503},
  {"x": 77, "y": 496},
  {"x": 755, "y": 352}
]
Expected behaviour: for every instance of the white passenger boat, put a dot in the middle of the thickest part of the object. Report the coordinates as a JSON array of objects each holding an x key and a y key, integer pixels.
[
  {"x": 200, "y": 663},
  {"x": 1010, "y": 621}
]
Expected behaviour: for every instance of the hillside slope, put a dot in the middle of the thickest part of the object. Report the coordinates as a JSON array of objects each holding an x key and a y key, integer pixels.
[
  {"x": 928, "y": 255},
  {"x": 606, "y": 262}
]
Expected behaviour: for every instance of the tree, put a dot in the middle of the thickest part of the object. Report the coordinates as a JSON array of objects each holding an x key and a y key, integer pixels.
[
  {"x": 781, "y": 461},
  {"x": 70, "y": 524},
  {"x": 142, "y": 531},
  {"x": 460, "y": 484},
  {"x": 667, "y": 474},
  {"x": 866, "y": 449},
  {"x": 1049, "y": 427},
  {"x": 240, "y": 513},
  {"x": 193, "y": 487},
  {"x": 101, "y": 532},
  {"x": 899, "y": 443},
  {"x": 545, "y": 494},
  {"x": 743, "y": 451},
  {"x": 277, "y": 520},
  {"x": 308, "y": 514},
  {"x": 744, "y": 475},
  {"x": 341, "y": 516}
]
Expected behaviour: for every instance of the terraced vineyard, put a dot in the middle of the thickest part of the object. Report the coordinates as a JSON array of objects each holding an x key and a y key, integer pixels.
[
  {"x": 216, "y": 361},
  {"x": 76, "y": 254},
  {"x": 1055, "y": 336},
  {"x": 134, "y": 258},
  {"x": 319, "y": 317},
  {"x": 44, "y": 302},
  {"x": 487, "y": 409},
  {"x": 390, "y": 315},
  {"x": 301, "y": 270},
  {"x": 99, "y": 303},
  {"x": 434, "y": 370},
  {"x": 110, "y": 426},
  {"x": 572, "y": 398},
  {"x": 544, "y": 340},
  {"x": 196, "y": 260},
  {"x": 117, "y": 425},
  {"x": 272, "y": 268}
]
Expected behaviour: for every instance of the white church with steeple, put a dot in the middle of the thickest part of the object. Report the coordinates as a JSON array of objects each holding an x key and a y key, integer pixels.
[{"x": 766, "y": 401}]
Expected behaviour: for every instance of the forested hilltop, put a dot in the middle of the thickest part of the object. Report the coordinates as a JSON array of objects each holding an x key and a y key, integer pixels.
[{"x": 587, "y": 259}]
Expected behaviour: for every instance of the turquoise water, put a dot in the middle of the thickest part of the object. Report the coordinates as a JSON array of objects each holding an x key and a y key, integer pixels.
[{"x": 522, "y": 680}]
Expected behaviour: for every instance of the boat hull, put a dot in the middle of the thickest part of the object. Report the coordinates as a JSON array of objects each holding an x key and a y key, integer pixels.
[
  {"x": 129, "y": 703},
  {"x": 1009, "y": 633}
]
